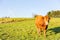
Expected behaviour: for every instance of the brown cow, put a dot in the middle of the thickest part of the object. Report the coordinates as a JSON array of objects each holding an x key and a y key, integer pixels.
[{"x": 42, "y": 23}]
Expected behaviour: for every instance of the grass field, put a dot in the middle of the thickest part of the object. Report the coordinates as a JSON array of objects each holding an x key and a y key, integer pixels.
[{"x": 26, "y": 30}]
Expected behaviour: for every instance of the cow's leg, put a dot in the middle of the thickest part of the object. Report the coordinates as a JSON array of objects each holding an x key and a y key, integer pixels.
[
  {"x": 38, "y": 30},
  {"x": 45, "y": 33},
  {"x": 45, "y": 29}
]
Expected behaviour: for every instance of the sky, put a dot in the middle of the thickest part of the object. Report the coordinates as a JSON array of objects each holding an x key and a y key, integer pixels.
[{"x": 27, "y": 8}]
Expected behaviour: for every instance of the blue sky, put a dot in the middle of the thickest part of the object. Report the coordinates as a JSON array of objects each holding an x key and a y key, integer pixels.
[{"x": 27, "y": 8}]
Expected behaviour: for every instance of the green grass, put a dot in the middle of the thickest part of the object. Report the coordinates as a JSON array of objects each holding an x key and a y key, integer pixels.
[{"x": 26, "y": 30}]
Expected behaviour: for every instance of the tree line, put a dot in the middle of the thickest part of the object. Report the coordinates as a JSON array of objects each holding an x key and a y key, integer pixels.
[{"x": 54, "y": 13}]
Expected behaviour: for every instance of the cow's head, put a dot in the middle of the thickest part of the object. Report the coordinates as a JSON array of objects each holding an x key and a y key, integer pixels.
[{"x": 46, "y": 19}]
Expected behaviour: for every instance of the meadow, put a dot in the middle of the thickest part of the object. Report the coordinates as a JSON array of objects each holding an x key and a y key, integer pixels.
[{"x": 25, "y": 29}]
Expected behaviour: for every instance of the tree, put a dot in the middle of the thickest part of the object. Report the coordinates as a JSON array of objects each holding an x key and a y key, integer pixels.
[{"x": 54, "y": 13}]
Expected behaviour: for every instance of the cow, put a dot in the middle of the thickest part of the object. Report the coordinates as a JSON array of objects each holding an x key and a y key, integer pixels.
[{"x": 41, "y": 23}]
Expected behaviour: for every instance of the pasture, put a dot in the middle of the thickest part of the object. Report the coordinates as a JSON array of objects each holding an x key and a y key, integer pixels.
[{"x": 25, "y": 29}]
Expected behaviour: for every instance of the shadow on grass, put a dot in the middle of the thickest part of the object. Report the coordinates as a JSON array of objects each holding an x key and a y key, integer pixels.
[{"x": 55, "y": 30}]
